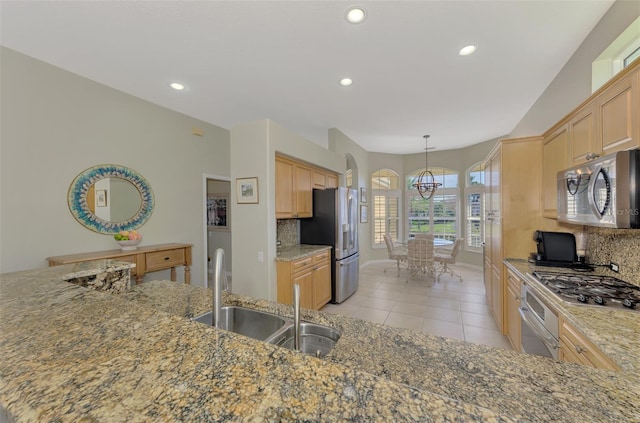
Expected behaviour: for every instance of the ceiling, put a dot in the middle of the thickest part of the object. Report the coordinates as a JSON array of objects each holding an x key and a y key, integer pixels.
[{"x": 242, "y": 61}]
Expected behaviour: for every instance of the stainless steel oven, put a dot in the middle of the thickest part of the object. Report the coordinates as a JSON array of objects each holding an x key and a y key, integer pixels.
[{"x": 539, "y": 325}]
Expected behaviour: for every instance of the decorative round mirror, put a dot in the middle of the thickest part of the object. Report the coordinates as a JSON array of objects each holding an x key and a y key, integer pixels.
[{"x": 110, "y": 198}]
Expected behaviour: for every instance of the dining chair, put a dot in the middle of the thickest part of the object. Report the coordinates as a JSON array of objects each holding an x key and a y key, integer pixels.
[
  {"x": 397, "y": 253},
  {"x": 444, "y": 260},
  {"x": 420, "y": 256}
]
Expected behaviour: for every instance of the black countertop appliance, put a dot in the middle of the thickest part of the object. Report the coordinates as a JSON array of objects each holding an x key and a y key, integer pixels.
[{"x": 556, "y": 249}]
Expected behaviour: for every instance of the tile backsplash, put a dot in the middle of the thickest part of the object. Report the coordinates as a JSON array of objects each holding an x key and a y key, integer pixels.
[
  {"x": 621, "y": 246},
  {"x": 287, "y": 232}
]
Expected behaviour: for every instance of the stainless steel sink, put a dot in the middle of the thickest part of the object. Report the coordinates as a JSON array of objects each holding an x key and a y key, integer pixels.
[
  {"x": 244, "y": 321},
  {"x": 316, "y": 340}
]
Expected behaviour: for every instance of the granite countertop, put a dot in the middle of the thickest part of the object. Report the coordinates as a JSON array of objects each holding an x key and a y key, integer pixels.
[
  {"x": 299, "y": 251},
  {"x": 137, "y": 357},
  {"x": 615, "y": 332}
]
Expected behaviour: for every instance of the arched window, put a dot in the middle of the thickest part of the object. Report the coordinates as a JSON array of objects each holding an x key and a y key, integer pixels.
[
  {"x": 386, "y": 205},
  {"x": 439, "y": 214},
  {"x": 474, "y": 210}
]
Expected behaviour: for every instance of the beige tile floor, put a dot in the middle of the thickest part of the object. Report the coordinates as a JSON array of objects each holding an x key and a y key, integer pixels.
[{"x": 448, "y": 307}]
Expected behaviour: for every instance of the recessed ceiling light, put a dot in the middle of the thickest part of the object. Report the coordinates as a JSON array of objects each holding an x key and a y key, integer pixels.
[
  {"x": 356, "y": 14},
  {"x": 465, "y": 51},
  {"x": 177, "y": 86},
  {"x": 345, "y": 82}
]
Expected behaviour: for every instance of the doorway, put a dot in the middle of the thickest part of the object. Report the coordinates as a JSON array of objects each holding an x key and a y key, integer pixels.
[{"x": 217, "y": 222}]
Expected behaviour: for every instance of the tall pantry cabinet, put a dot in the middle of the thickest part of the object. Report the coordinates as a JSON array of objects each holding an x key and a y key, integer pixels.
[{"x": 512, "y": 204}]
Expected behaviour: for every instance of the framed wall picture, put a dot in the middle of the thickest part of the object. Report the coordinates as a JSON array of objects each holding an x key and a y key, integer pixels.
[
  {"x": 363, "y": 213},
  {"x": 218, "y": 212},
  {"x": 247, "y": 190},
  {"x": 101, "y": 198},
  {"x": 363, "y": 195}
]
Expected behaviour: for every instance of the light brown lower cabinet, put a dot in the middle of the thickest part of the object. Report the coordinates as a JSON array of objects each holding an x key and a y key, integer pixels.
[
  {"x": 312, "y": 273},
  {"x": 576, "y": 348},
  {"x": 513, "y": 323}
]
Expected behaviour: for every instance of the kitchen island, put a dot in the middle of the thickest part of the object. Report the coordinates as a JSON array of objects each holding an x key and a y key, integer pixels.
[{"x": 70, "y": 353}]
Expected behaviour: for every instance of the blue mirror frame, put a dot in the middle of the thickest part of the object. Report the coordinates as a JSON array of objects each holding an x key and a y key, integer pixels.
[{"x": 77, "y": 198}]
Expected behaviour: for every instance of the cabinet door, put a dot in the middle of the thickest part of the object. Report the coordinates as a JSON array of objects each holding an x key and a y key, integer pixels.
[
  {"x": 303, "y": 188},
  {"x": 488, "y": 235},
  {"x": 553, "y": 161},
  {"x": 497, "y": 300},
  {"x": 512, "y": 313},
  {"x": 321, "y": 284},
  {"x": 319, "y": 179},
  {"x": 583, "y": 139},
  {"x": 284, "y": 190},
  {"x": 576, "y": 348},
  {"x": 487, "y": 280},
  {"x": 496, "y": 207},
  {"x": 618, "y": 112},
  {"x": 332, "y": 180},
  {"x": 305, "y": 280}
]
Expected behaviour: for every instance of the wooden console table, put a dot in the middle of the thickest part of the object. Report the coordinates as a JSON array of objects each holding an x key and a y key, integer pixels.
[{"x": 147, "y": 259}]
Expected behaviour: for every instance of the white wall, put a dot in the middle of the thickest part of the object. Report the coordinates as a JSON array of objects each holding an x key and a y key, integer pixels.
[
  {"x": 253, "y": 227},
  {"x": 344, "y": 146},
  {"x": 572, "y": 85},
  {"x": 56, "y": 124}
]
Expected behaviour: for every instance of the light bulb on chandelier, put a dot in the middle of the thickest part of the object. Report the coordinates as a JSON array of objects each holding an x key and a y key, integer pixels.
[{"x": 426, "y": 184}]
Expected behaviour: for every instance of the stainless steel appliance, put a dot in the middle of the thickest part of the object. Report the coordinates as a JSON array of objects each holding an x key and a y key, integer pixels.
[
  {"x": 335, "y": 223},
  {"x": 595, "y": 290},
  {"x": 539, "y": 328},
  {"x": 603, "y": 192}
]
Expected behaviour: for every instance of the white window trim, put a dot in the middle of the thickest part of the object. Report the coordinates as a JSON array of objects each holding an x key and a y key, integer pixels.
[
  {"x": 395, "y": 193},
  {"x": 473, "y": 189}
]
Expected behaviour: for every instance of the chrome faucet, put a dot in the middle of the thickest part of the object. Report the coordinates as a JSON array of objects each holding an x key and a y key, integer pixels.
[
  {"x": 296, "y": 317},
  {"x": 220, "y": 283}
]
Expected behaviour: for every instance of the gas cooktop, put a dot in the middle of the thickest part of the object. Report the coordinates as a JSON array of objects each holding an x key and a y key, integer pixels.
[{"x": 599, "y": 290}]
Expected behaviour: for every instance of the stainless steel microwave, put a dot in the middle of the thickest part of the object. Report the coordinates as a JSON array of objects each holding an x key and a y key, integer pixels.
[{"x": 603, "y": 192}]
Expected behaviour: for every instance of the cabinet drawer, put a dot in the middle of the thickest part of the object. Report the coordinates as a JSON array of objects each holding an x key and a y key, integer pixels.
[
  {"x": 583, "y": 348},
  {"x": 322, "y": 256},
  {"x": 164, "y": 259},
  {"x": 301, "y": 264},
  {"x": 514, "y": 282}
]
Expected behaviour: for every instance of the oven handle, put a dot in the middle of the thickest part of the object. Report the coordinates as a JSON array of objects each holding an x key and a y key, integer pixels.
[{"x": 529, "y": 319}]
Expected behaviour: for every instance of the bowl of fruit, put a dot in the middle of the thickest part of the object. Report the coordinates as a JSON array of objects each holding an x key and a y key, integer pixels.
[{"x": 128, "y": 240}]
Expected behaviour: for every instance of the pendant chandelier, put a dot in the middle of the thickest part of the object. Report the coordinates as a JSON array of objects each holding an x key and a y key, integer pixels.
[{"x": 426, "y": 184}]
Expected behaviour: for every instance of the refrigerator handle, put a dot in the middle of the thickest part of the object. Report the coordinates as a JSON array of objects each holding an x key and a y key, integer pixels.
[{"x": 353, "y": 258}]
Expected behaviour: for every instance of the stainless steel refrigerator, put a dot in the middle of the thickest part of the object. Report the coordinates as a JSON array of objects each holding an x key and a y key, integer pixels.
[{"x": 335, "y": 223}]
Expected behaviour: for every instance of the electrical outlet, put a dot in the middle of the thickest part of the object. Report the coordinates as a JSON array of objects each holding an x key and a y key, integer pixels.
[{"x": 615, "y": 267}]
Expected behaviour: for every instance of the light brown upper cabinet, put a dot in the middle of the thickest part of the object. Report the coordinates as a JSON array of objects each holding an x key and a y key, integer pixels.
[
  {"x": 553, "y": 161},
  {"x": 323, "y": 179},
  {"x": 583, "y": 142},
  {"x": 608, "y": 121},
  {"x": 303, "y": 191},
  {"x": 295, "y": 182},
  {"x": 285, "y": 206},
  {"x": 319, "y": 179},
  {"x": 332, "y": 180},
  {"x": 618, "y": 111}
]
